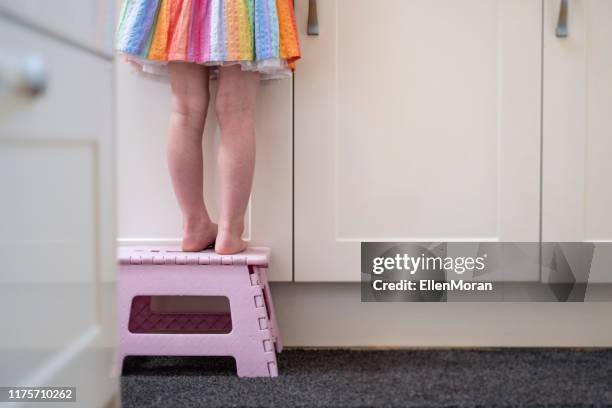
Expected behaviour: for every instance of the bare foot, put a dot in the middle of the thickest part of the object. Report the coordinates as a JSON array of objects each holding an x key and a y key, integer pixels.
[
  {"x": 198, "y": 235},
  {"x": 229, "y": 241}
]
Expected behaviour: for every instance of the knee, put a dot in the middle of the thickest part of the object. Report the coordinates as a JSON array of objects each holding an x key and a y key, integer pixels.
[
  {"x": 234, "y": 110},
  {"x": 189, "y": 112}
]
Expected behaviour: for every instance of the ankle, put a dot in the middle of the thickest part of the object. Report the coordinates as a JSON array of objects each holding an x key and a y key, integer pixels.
[
  {"x": 232, "y": 227},
  {"x": 196, "y": 219}
]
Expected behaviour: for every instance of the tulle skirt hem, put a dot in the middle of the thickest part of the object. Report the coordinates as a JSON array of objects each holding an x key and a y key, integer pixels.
[{"x": 273, "y": 68}]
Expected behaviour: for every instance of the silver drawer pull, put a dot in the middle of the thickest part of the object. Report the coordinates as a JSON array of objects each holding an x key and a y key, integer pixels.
[
  {"x": 562, "y": 30},
  {"x": 26, "y": 76},
  {"x": 313, "y": 18}
]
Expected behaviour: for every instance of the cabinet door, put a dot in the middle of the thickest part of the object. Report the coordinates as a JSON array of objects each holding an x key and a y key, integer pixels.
[
  {"x": 415, "y": 120},
  {"x": 148, "y": 212},
  {"x": 577, "y": 193},
  {"x": 56, "y": 216}
]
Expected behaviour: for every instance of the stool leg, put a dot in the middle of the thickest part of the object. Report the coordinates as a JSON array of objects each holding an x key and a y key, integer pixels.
[
  {"x": 254, "y": 356},
  {"x": 256, "y": 365},
  {"x": 273, "y": 323}
]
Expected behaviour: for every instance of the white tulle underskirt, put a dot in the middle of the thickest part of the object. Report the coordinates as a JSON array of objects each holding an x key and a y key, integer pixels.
[{"x": 269, "y": 68}]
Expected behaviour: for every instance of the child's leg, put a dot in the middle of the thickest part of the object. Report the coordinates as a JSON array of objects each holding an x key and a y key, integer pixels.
[
  {"x": 235, "y": 108},
  {"x": 190, "y": 95}
]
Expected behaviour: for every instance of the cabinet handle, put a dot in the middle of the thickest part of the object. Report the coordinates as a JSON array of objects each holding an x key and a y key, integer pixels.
[
  {"x": 562, "y": 30},
  {"x": 313, "y": 18},
  {"x": 25, "y": 76}
]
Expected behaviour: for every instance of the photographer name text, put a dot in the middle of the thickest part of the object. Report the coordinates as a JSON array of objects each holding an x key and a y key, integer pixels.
[{"x": 411, "y": 265}]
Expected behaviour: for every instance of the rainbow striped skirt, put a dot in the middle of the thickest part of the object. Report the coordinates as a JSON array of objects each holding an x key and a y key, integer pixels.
[{"x": 260, "y": 35}]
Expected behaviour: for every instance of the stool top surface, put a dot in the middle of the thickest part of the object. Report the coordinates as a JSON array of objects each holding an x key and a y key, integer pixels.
[{"x": 256, "y": 256}]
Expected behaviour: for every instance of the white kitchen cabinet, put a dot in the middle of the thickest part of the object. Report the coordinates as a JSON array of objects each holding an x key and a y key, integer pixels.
[
  {"x": 57, "y": 221},
  {"x": 148, "y": 211},
  {"x": 577, "y": 130},
  {"x": 415, "y": 120}
]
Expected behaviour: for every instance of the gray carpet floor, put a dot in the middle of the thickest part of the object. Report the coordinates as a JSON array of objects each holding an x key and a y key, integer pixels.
[{"x": 402, "y": 378}]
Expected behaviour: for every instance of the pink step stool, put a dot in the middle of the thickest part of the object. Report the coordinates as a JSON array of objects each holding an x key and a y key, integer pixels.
[{"x": 248, "y": 333}]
